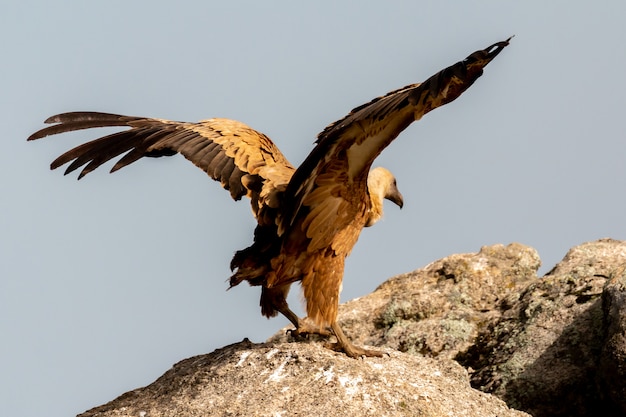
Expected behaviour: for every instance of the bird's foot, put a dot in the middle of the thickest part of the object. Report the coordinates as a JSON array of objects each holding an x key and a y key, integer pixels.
[
  {"x": 344, "y": 345},
  {"x": 305, "y": 328},
  {"x": 354, "y": 351}
]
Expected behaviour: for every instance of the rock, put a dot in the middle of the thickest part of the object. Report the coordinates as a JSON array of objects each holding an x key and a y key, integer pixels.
[
  {"x": 542, "y": 355},
  {"x": 288, "y": 379},
  {"x": 612, "y": 369}
]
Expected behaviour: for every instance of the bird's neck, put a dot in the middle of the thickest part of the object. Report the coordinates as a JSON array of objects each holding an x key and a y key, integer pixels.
[{"x": 376, "y": 210}]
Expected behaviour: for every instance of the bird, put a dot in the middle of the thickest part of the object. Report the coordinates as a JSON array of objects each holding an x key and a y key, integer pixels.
[{"x": 308, "y": 218}]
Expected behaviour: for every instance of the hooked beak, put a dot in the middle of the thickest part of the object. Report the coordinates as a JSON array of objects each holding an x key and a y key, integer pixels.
[{"x": 395, "y": 197}]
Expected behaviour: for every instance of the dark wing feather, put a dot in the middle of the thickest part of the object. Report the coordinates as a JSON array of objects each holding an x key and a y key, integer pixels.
[
  {"x": 330, "y": 185},
  {"x": 228, "y": 151}
]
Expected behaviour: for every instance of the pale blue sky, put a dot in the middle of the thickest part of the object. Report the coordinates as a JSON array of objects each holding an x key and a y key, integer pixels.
[{"x": 106, "y": 282}]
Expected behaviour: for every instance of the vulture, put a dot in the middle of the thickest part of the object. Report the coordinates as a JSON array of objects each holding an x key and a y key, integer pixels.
[{"x": 309, "y": 217}]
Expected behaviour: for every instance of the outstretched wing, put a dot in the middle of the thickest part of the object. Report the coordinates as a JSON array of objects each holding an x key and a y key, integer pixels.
[
  {"x": 329, "y": 188},
  {"x": 244, "y": 161}
]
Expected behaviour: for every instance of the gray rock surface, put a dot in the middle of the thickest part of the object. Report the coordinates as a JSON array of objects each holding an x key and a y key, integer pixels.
[
  {"x": 290, "y": 379},
  {"x": 612, "y": 369},
  {"x": 551, "y": 346},
  {"x": 559, "y": 350}
]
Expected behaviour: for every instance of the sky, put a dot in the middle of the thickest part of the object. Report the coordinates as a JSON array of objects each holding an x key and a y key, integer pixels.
[{"x": 107, "y": 282}]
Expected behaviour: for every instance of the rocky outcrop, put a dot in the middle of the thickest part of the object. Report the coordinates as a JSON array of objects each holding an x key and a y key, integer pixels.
[
  {"x": 551, "y": 346},
  {"x": 612, "y": 367},
  {"x": 290, "y": 379},
  {"x": 557, "y": 351}
]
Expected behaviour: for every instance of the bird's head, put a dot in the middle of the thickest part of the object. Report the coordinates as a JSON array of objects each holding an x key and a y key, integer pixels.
[{"x": 381, "y": 185}]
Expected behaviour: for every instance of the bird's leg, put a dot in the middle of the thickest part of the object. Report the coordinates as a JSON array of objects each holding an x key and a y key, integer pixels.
[
  {"x": 343, "y": 344},
  {"x": 274, "y": 300}
]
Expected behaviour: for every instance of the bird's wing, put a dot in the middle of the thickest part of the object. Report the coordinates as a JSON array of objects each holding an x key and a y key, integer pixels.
[
  {"x": 244, "y": 161},
  {"x": 326, "y": 190}
]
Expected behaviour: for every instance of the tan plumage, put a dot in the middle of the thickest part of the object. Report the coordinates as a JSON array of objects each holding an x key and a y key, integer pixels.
[{"x": 309, "y": 219}]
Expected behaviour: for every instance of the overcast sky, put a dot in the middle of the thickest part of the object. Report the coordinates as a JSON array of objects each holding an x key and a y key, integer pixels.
[{"x": 107, "y": 282}]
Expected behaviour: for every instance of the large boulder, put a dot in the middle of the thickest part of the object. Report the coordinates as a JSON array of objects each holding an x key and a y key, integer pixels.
[
  {"x": 560, "y": 349},
  {"x": 289, "y": 379},
  {"x": 612, "y": 367}
]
